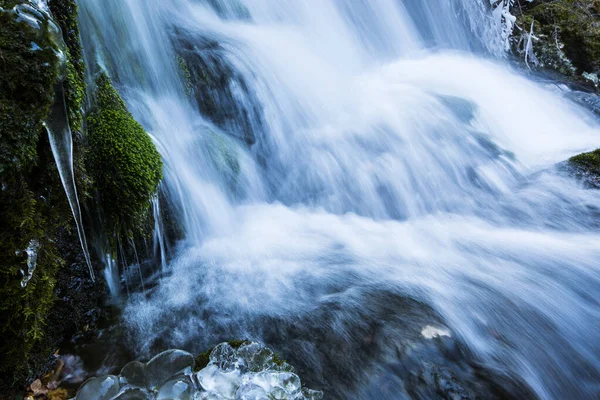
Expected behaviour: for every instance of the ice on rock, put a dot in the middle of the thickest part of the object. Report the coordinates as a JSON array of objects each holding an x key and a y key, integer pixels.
[
  {"x": 225, "y": 357},
  {"x": 208, "y": 396},
  {"x": 251, "y": 391},
  {"x": 100, "y": 388},
  {"x": 248, "y": 373},
  {"x": 166, "y": 364},
  {"x": 177, "y": 389},
  {"x": 278, "y": 393},
  {"x": 134, "y": 374},
  {"x": 134, "y": 394},
  {"x": 255, "y": 357},
  {"x": 212, "y": 379},
  {"x": 288, "y": 381}
]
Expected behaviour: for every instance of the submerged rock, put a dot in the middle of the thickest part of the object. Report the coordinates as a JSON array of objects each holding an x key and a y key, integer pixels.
[
  {"x": 249, "y": 372},
  {"x": 221, "y": 92}
]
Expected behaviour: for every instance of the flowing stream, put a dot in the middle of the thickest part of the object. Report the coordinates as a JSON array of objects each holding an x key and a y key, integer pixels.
[{"x": 363, "y": 185}]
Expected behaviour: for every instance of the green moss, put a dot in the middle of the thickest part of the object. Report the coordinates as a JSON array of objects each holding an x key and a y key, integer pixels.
[
  {"x": 124, "y": 161},
  {"x": 32, "y": 201},
  {"x": 588, "y": 161},
  {"x": 186, "y": 74},
  {"x": 27, "y": 79}
]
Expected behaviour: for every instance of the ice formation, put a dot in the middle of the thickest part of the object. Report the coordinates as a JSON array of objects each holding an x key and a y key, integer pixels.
[{"x": 250, "y": 372}]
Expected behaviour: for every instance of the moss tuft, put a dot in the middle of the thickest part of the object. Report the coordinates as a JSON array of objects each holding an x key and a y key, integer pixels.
[
  {"x": 588, "y": 161},
  {"x": 124, "y": 161}
]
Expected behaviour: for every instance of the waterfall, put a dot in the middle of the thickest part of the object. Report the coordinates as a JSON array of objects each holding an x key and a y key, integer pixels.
[{"x": 335, "y": 162}]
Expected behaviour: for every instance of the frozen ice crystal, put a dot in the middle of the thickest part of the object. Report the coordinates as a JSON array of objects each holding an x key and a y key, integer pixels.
[
  {"x": 224, "y": 356},
  {"x": 134, "y": 394},
  {"x": 248, "y": 373},
  {"x": 256, "y": 357},
  {"x": 212, "y": 379},
  {"x": 177, "y": 389},
  {"x": 251, "y": 391},
  {"x": 166, "y": 364},
  {"x": 100, "y": 388}
]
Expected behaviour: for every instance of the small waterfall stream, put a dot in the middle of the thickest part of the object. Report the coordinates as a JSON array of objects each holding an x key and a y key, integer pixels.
[{"x": 354, "y": 175}]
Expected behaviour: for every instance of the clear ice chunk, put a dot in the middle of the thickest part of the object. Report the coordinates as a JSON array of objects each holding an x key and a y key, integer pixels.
[
  {"x": 208, "y": 396},
  {"x": 134, "y": 374},
  {"x": 225, "y": 357},
  {"x": 100, "y": 388},
  {"x": 255, "y": 357},
  {"x": 278, "y": 393},
  {"x": 176, "y": 389},
  {"x": 288, "y": 381},
  {"x": 212, "y": 379},
  {"x": 166, "y": 364},
  {"x": 251, "y": 391},
  {"x": 32, "y": 254},
  {"x": 134, "y": 394}
]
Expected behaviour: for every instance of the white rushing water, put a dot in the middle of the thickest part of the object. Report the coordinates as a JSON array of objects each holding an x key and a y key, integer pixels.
[{"x": 357, "y": 149}]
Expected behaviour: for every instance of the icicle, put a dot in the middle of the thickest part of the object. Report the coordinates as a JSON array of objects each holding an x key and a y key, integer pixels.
[
  {"x": 159, "y": 238},
  {"x": 111, "y": 274},
  {"x": 32, "y": 254},
  {"x": 61, "y": 142},
  {"x": 137, "y": 263}
]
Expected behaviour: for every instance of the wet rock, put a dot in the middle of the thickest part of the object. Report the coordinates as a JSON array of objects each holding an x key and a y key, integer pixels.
[
  {"x": 221, "y": 92},
  {"x": 564, "y": 35},
  {"x": 586, "y": 167}
]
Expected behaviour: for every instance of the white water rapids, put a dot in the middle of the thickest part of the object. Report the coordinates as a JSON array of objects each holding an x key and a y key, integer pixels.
[{"x": 394, "y": 152}]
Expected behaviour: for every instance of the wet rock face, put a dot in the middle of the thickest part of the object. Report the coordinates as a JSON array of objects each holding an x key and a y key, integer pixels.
[
  {"x": 249, "y": 372},
  {"x": 221, "y": 93},
  {"x": 586, "y": 167},
  {"x": 565, "y": 36}
]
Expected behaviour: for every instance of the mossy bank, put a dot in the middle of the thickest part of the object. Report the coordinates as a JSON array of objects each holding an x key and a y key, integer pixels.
[
  {"x": 565, "y": 41},
  {"x": 118, "y": 159}
]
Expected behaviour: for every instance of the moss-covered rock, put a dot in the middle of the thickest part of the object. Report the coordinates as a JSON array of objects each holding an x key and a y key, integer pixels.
[
  {"x": 216, "y": 86},
  {"x": 587, "y": 167},
  {"x": 124, "y": 162},
  {"x": 33, "y": 205},
  {"x": 566, "y": 35}
]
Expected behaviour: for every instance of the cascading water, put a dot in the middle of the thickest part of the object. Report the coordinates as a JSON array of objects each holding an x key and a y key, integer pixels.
[{"x": 353, "y": 176}]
